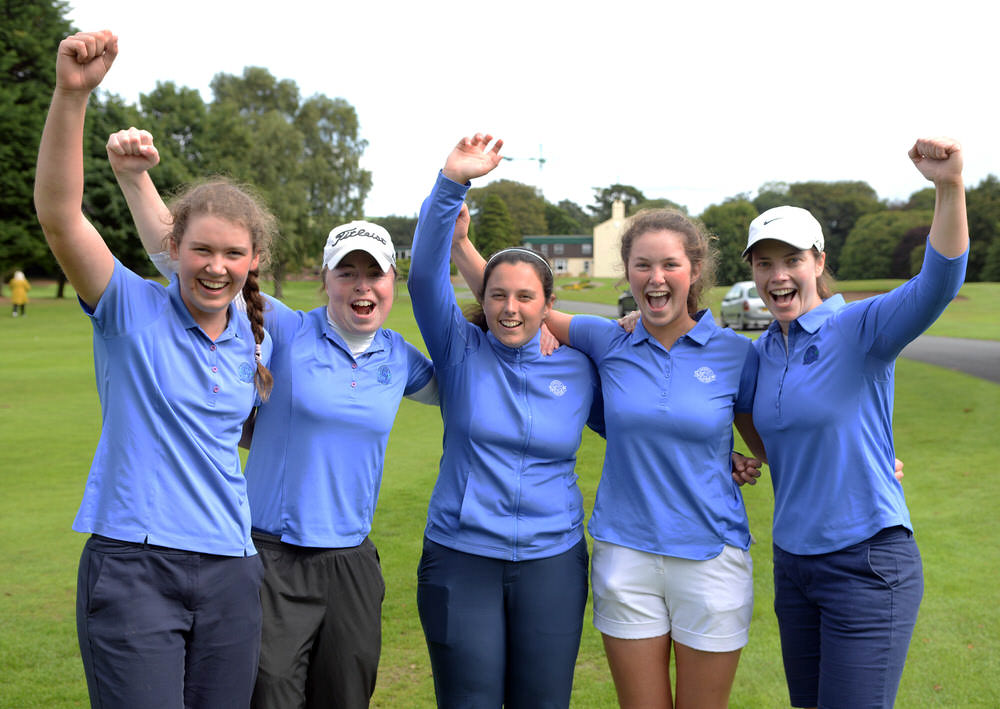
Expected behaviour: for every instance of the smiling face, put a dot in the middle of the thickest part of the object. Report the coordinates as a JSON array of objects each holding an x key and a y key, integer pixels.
[
  {"x": 360, "y": 293},
  {"x": 786, "y": 279},
  {"x": 660, "y": 275},
  {"x": 514, "y": 303},
  {"x": 214, "y": 256}
]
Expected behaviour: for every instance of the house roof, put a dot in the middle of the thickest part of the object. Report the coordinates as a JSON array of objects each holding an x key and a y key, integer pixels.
[{"x": 557, "y": 239}]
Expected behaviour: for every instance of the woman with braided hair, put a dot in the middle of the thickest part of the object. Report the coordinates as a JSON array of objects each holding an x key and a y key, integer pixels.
[
  {"x": 168, "y": 612},
  {"x": 317, "y": 453}
]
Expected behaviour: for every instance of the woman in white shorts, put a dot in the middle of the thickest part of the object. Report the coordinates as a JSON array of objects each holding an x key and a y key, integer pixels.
[{"x": 671, "y": 566}]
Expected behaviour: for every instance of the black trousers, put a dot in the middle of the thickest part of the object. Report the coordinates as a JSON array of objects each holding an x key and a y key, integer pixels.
[{"x": 322, "y": 632}]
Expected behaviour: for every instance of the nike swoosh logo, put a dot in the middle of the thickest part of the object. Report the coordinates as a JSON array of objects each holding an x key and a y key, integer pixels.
[{"x": 771, "y": 220}]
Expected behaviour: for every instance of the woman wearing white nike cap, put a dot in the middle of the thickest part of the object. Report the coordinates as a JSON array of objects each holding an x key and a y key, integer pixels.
[{"x": 847, "y": 573}]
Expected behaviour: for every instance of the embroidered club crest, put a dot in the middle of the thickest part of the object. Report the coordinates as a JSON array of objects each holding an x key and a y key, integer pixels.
[{"x": 704, "y": 375}]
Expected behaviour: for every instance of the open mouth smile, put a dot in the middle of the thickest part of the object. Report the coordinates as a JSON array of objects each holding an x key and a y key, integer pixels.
[
  {"x": 782, "y": 296},
  {"x": 657, "y": 299},
  {"x": 214, "y": 286},
  {"x": 363, "y": 307}
]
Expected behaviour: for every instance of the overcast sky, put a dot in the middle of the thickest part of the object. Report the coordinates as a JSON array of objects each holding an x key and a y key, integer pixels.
[{"x": 690, "y": 101}]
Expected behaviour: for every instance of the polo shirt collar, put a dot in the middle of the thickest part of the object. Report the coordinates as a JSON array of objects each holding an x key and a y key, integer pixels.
[
  {"x": 187, "y": 320},
  {"x": 701, "y": 333},
  {"x": 811, "y": 321},
  {"x": 379, "y": 343},
  {"x": 528, "y": 352}
]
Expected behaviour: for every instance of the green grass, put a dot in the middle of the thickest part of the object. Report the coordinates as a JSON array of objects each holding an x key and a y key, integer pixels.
[{"x": 49, "y": 420}]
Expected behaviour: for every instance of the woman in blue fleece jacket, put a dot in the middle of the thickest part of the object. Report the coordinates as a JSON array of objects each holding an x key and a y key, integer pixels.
[{"x": 503, "y": 576}]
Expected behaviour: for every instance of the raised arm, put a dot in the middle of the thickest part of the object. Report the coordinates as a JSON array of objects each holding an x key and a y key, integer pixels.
[
  {"x": 81, "y": 64},
  {"x": 469, "y": 261},
  {"x": 940, "y": 161},
  {"x": 132, "y": 155}
]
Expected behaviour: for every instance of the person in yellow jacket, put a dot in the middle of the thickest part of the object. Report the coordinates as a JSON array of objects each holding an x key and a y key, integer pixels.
[{"x": 19, "y": 288}]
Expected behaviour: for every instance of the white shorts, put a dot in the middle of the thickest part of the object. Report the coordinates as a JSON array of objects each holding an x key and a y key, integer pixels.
[{"x": 705, "y": 605}]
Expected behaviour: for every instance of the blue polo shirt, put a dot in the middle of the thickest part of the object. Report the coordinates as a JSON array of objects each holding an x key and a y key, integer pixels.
[
  {"x": 318, "y": 450},
  {"x": 824, "y": 410},
  {"x": 666, "y": 486},
  {"x": 513, "y": 419},
  {"x": 173, "y": 402}
]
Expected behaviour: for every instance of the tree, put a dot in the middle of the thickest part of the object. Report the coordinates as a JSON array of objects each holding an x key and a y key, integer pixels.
[
  {"x": 984, "y": 225},
  {"x": 837, "y": 206},
  {"x": 658, "y": 204},
  {"x": 178, "y": 119},
  {"x": 770, "y": 195},
  {"x": 304, "y": 158},
  {"x": 558, "y": 221},
  {"x": 29, "y": 37},
  {"x": 577, "y": 214},
  {"x": 495, "y": 229},
  {"x": 872, "y": 243},
  {"x": 524, "y": 203},
  {"x": 729, "y": 222},
  {"x": 401, "y": 229},
  {"x": 336, "y": 186},
  {"x": 605, "y": 197},
  {"x": 991, "y": 264}
]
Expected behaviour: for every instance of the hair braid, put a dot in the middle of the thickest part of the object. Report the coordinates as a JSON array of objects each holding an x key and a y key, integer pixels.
[{"x": 255, "y": 313}]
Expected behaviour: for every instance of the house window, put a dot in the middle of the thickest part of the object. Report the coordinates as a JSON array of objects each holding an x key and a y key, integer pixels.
[
  {"x": 587, "y": 249},
  {"x": 544, "y": 248},
  {"x": 586, "y": 267},
  {"x": 562, "y": 265},
  {"x": 557, "y": 248}
]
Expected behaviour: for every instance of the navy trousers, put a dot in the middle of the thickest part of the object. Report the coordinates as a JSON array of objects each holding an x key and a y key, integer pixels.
[
  {"x": 167, "y": 628},
  {"x": 502, "y": 633},
  {"x": 846, "y": 619}
]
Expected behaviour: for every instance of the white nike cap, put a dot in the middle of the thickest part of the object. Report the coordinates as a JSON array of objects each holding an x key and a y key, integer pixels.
[{"x": 793, "y": 225}]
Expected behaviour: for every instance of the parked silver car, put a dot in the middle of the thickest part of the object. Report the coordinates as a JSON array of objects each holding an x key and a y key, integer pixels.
[
  {"x": 626, "y": 303},
  {"x": 742, "y": 307}
]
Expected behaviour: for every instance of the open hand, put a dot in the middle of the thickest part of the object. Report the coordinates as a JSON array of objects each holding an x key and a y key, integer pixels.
[{"x": 472, "y": 157}]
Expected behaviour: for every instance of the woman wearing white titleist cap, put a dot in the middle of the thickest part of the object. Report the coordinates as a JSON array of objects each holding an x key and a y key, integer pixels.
[
  {"x": 316, "y": 457},
  {"x": 847, "y": 573}
]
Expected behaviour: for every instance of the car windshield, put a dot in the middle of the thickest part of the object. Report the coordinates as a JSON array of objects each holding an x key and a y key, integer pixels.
[{"x": 752, "y": 292}]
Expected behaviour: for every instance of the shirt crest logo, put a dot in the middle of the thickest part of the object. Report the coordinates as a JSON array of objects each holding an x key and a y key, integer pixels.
[
  {"x": 246, "y": 372},
  {"x": 557, "y": 387},
  {"x": 811, "y": 354},
  {"x": 705, "y": 375},
  {"x": 384, "y": 374}
]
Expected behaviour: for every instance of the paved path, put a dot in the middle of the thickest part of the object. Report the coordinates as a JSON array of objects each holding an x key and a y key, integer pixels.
[{"x": 980, "y": 358}]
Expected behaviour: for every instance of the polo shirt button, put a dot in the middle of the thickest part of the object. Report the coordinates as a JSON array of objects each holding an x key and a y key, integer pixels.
[
  {"x": 354, "y": 365},
  {"x": 212, "y": 347},
  {"x": 215, "y": 389},
  {"x": 215, "y": 369},
  {"x": 353, "y": 384}
]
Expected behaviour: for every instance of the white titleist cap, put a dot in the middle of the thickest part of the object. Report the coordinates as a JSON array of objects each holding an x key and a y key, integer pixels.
[
  {"x": 792, "y": 225},
  {"x": 359, "y": 236}
]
